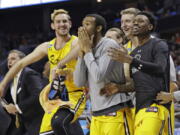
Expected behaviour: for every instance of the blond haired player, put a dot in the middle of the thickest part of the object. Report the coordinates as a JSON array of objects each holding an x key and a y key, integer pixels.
[{"x": 56, "y": 50}]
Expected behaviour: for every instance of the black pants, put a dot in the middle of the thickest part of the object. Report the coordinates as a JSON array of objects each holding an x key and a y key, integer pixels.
[
  {"x": 30, "y": 127},
  {"x": 61, "y": 123},
  {"x": 12, "y": 130}
]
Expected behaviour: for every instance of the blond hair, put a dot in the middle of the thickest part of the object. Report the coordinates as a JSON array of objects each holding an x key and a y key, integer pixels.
[
  {"x": 133, "y": 11},
  {"x": 59, "y": 11}
]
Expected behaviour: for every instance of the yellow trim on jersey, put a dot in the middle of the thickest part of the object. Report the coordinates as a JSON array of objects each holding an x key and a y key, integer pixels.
[{"x": 129, "y": 47}]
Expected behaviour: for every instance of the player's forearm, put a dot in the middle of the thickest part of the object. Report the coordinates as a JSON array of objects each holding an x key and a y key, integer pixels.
[
  {"x": 127, "y": 87},
  {"x": 73, "y": 54},
  {"x": 149, "y": 67},
  {"x": 80, "y": 73}
]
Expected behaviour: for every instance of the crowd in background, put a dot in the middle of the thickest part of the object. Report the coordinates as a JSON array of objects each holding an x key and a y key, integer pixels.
[{"x": 26, "y": 42}]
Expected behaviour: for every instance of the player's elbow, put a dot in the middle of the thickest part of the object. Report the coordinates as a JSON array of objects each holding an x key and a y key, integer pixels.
[{"x": 162, "y": 70}]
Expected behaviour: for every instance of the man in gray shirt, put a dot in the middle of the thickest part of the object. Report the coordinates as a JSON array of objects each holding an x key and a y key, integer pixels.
[{"x": 95, "y": 69}]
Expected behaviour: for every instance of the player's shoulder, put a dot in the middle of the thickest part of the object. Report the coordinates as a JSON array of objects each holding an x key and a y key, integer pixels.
[
  {"x": 42, "y": 48},
  {"x": 159, "y": 44},
  {"x": 159, "y": 41},
  {"x": 44, "y": 45},
  {"x": 74, "y": 40}
]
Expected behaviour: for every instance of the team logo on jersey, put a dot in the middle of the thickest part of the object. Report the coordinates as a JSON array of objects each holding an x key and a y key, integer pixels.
[
  {"x": 53, "y": 60},
  {"x": 134, "y": 70},
  {"x": 137, "y": 56},
  {"x": 50, "y": 45},
  {"x": 152, "y": 109},
  {"x": 139, "y": 51}
]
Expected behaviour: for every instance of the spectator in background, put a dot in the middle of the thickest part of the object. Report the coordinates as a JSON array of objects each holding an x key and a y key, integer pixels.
[
  {"x": 177, "y": 38},
  {"x": 3, "y": 69},
  {"x": 117, "y": 35}
]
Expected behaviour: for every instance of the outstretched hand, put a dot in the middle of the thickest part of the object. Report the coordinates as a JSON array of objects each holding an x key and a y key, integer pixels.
[{"x": 120, "y": 54}]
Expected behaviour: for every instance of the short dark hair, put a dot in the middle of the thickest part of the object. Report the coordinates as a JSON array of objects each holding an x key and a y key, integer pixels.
[
  {"x": 152, "y": 19},
  {"x": 100, "y": 21},
  {"x": 20, "y": 54}
]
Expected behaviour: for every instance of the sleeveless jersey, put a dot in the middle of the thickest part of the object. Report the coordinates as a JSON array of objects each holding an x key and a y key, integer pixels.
[{"x": 55, "y": 56}]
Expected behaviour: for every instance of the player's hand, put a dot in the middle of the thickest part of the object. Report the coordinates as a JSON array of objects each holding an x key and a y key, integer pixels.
[
  {"x": 67, "y": 72},
  {"x": 11, "y": 108},
  {"x": 81, "y": 54},
  {"x": 173, "y": 87},
  {"x": 109, "y": 89},
  {"x": 120, "y": 54},
  {"x": 54, "y": 73},
  {"x": 164, "y": 97},
  {"x": 84, "y": 40}
]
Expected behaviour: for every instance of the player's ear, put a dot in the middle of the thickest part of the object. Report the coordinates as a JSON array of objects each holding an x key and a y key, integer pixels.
[
  {"x": 52, "y": 26},
  {"x": 150, "y": 27},
  {"x": 70, "y": 24},
  {"x": 99, "y": 28}
]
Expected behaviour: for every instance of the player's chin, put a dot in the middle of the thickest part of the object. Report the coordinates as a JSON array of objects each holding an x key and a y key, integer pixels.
[
  {"x": 63, "y": 34},
  {"x": 128, "y": 33}
]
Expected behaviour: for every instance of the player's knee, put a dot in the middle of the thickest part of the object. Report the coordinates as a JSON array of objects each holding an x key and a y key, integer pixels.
[{"x": 56, "y": 122}]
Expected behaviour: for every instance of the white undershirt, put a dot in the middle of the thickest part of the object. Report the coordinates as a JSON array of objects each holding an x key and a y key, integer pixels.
[{"x": 14, "y": 91}]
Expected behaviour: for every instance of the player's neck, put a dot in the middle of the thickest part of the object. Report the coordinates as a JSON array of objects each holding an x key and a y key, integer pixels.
[
  {"x": 96, "y": 39},
  {"x": 61, "y": 41},
  {"x": 143, "y": 39},
  {"x": 134, "y": 41}
]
